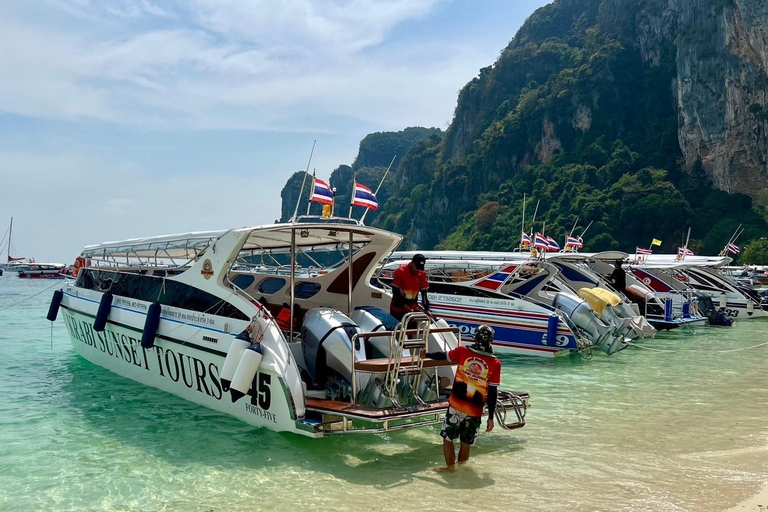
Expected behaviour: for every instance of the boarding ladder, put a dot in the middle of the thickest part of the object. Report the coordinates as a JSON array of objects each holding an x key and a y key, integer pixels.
[
  {"x": 412, "y": 334},
  {"x": 403, "y": 369}
]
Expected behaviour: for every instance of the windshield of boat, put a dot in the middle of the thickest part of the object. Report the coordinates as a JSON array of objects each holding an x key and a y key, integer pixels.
[{"x": 314, "y": 260}]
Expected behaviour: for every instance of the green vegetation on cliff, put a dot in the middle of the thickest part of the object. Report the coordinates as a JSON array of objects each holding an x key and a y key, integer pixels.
[{"x": 575, "y": 114}]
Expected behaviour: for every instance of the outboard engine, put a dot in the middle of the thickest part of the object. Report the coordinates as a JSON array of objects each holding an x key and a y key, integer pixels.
[
  {"x": 371, "y": 319},
  {"x": 584, "y": 317},
  {"x": 714, "y": 316},
  {"x": 326, "y": 342}
]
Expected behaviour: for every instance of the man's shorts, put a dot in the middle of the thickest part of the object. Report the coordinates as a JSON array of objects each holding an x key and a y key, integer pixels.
[{"x": 458, "y": 424}]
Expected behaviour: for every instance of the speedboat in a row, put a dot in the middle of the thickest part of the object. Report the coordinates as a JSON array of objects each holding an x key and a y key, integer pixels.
[
  {"x": 538, "y": 307},
  {"x": 277, "y": 325},
  {"x": 565, "y": 304}
]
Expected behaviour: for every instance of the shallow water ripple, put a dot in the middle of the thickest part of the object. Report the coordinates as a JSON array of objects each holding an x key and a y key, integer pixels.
[{"x": 679, "y": 423}]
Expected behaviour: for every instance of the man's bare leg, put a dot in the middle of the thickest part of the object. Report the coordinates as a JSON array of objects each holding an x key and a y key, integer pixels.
[
  {"x": 464, "y": 452},
  {"x": 449, "y": 452}
]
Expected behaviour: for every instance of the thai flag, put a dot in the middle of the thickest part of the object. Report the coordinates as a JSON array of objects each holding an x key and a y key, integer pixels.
[
  {"x": 553, "y": 246},
  {"x": 684, "y": 251},
  {"x": 321, "y": 192},
  {"x": 526, "y": 240},
  {"x": 572, "y": 241},
  {"x": 540, "y": 242},
  {"x": 363, "y": 196},
  {"x": 643, "y": 250},
  {"x": 733, "y": 249}
]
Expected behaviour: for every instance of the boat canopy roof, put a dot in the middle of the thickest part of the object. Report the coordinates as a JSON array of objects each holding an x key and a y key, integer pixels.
[
  {"x": 671, "y": 260},
  {"x": 314, "y": 232},
  {"x": 584, "y": 256},
  {"x": 463, "y": 255},
  {"x": 178, "y": 246},
  {"x": 435, "y": 263}
]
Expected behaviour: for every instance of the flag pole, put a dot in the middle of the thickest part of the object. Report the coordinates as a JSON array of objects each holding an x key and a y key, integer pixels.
[
  {"x": 543, "y": 234},
  {"x": 296, "y": 210},
  {"x": 687, "y": 239},
  {"x": 738, "y": 235},
  {"x": 522, "y": 230},
  {"x": 352, "y": 199},
  {"x": 534, "y": 214},
  {"x": 565, "y": 248},
  {"x": 574, "y": 226},
  {"x": 729, "y": 242},
  {"x": 309, "y": 201},
  {"x": 585, "y": 230},
  {"x": 377, "y": 188}
]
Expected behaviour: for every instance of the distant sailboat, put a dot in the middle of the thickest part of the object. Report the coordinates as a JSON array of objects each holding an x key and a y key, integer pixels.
[{"x": 11, "y": 263}]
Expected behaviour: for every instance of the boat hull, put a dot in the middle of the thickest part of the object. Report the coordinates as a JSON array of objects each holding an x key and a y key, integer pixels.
[
  {"x": 737, "y": 308},
  {"x": 41, "y": 274},
  {"x": 176, "y": 366},
  {"x": 517, "y": 330}
]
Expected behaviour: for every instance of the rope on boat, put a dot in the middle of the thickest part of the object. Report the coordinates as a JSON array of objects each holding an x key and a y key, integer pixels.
[
  {"x": 745, "y": 348},
  {"x": 722, "y": 351},
  {"x": 632, "y": 343},
  {"x": 31, "y": 296}
]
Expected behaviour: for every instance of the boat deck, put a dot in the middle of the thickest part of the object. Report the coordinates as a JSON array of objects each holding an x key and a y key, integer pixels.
[{"x": 371, "y": 413}]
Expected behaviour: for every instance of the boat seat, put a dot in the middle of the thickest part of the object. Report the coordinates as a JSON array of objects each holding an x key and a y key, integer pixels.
[{"x": 384, "y": 364}]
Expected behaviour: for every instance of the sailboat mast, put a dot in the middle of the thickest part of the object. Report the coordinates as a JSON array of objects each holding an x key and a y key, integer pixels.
[{"x": 10, "y": 234}]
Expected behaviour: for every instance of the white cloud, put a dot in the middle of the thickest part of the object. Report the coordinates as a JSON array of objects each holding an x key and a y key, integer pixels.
[
  {"x": 254, "y": 65},
  {"x": 134, "y": 79}
]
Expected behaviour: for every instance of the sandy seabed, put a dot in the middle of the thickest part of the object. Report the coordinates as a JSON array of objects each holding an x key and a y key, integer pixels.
[{"x": 757, "y": 503}]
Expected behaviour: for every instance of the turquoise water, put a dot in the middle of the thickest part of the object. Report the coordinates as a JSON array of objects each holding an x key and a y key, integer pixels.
[{"x": 679, "y": 425}]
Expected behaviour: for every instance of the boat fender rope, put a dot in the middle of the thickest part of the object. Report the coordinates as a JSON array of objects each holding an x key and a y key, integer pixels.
[{"x": 31, "y": 296}]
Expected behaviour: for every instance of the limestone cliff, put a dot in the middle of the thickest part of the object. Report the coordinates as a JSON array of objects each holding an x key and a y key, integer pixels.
[
  {"x": 719, "y": 79},
  {"x": 722, "y": 83}
]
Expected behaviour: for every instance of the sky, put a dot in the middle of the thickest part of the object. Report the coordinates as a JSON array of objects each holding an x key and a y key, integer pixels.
[{"x": 129, "y": 118}]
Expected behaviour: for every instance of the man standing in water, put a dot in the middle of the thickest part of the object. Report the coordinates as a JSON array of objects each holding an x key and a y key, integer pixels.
[
  {"x": 409, "y": 280},
  {"x": 478, "y": 376}
]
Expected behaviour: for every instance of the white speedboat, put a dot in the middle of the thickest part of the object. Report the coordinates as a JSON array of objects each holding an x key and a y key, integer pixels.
[
  {"x": 43, "y": 271},
  {"x": 644, "y": 305},
  {"x": 703, "y": 274},
  {"x": 535, "y": 291},
  {"x": 269, "y": 324},
  {"x": 467, "y": 293}
]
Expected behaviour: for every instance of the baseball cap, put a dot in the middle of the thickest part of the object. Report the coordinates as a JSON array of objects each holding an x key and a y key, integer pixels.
[{"x": 418, "y": 261}]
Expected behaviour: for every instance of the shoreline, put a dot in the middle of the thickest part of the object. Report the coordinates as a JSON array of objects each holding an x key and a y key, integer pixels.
[{"x": 757, "y": 503}]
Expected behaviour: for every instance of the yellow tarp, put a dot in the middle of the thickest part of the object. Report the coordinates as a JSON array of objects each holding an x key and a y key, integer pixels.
[{"x": 598, "y": 298}]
